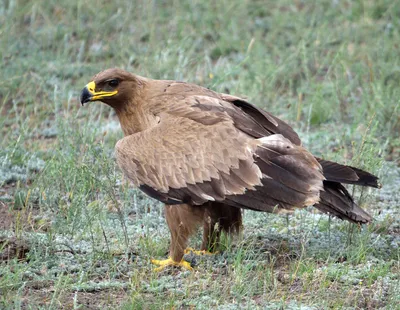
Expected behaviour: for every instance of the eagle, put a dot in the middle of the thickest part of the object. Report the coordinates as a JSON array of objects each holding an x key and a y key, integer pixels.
[{"x": 208, "y": 155}]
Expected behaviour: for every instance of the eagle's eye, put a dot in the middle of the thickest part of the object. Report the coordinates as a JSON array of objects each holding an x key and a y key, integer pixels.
[{"x": 113, "y": 83}]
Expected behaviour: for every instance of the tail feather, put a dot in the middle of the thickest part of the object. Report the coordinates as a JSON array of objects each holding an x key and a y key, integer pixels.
[
  {"x": 346, "y": 174},
  {"x": 336, "y": 200}
]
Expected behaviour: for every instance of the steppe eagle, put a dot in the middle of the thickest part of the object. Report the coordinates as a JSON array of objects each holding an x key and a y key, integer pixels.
[{"x": 207, "y": 155}]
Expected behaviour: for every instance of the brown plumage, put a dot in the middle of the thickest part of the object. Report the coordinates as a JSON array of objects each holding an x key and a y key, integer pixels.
[{"x": 206, "y": 155}]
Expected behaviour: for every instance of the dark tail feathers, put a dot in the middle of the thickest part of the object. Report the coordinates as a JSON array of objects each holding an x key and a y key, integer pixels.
[
  {"x": 336, "y": 200},
  {"x": 346, "y": 174}
]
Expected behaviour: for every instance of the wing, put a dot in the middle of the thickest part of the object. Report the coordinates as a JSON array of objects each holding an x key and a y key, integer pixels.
[
  {"x": 263, "y": 119},
  {"x": 246, "y": 117},
  {"x": 172, "y": 159},
  {"x": 197, "y": 154}
]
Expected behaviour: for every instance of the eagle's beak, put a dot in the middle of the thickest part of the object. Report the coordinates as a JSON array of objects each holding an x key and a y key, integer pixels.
[
  {"x": 89, "y": 93},
  {"x": 86, "y": 96}
]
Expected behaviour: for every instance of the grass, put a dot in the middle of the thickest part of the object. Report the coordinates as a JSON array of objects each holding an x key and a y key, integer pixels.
[{"x": 74, "y": 235}]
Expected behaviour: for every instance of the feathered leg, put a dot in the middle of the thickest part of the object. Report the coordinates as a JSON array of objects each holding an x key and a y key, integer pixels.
[
  {"x": 219, "y": 217},
  {"x": 182, "y": 221}
]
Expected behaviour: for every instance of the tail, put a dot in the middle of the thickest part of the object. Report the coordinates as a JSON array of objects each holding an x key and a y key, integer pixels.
[
  {"x": 335, "y": 199},
  {"x": 346, "y": 174}
]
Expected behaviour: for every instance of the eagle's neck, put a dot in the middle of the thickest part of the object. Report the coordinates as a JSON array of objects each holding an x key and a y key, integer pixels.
[{"x": 134, "y": 117}]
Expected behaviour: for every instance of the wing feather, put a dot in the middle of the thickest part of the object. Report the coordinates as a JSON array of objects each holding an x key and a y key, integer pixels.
[{"x": 201, "y": 151}]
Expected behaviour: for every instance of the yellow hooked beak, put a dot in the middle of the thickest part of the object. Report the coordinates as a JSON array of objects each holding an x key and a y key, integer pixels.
[{"x": 89, "y": 93}]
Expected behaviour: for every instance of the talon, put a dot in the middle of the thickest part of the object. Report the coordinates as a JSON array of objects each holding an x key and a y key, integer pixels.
[
  {"x": 199, "y": 252},
  {"x": 170, "y": 262}
]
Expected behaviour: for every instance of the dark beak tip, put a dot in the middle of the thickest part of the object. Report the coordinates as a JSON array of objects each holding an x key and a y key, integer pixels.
[{"x": 85, "y": 96}]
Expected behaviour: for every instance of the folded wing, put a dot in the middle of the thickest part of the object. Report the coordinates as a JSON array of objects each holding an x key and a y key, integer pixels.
[{"x": 198, "y": 155}]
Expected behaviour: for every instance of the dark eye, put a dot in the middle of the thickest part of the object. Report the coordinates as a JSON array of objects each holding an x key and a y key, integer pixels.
[{"x": 113, "y": 83}]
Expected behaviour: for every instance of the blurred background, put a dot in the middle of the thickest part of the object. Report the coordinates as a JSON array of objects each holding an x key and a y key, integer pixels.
[{"x": 73, "y": 234}]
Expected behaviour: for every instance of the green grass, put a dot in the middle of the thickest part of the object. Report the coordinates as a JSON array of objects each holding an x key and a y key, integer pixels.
[{"x": 74, "y": 234}]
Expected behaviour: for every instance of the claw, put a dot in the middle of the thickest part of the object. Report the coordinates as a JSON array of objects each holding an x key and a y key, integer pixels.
[
  {"x": 199, "y": 252},
  {"x": 170, "y": 262}
]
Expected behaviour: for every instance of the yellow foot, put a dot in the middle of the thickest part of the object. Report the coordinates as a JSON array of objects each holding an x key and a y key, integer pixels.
[
  {"x": 170, "y": 262},
  {"x": 197, "y": 252}
]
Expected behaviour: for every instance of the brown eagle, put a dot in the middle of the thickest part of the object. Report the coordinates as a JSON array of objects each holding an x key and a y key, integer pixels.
[{"x": 207, "y": 155}]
